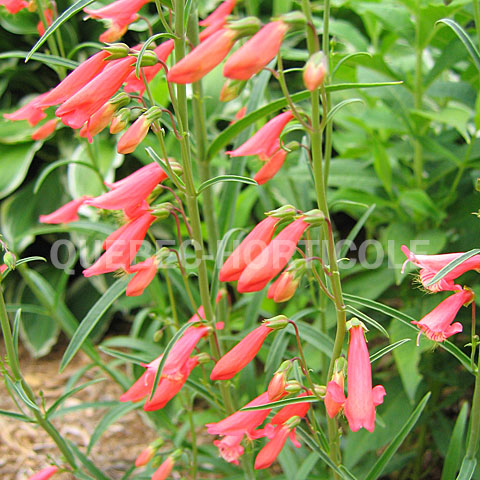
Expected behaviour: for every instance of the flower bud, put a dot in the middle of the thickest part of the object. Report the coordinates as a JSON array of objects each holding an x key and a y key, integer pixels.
[
  {"x": 145, "y": 456},
  {"x": 320, "y": 390},
  {"x": 120, "y": 100},
  {"x": 130, "y": 140},
  {"x": 117, "y": 50},
  {"x": 162, "y": 210},
  {"x": 477, "y": 185},
  {"x": 149, "y": 59},
  {"x": 245, "y": 27},
  {"x": 315, "y": 71},
  {"x": 285, "y": 212},
  {"x": 355, "y": 322},
  {"x": 276, "y": 387},
  {"x": 292, "y": 422},
  {"x": 157, "y": 336},
  {"x": 293, "y": 387},
  {"x": 175, "y": 166},
  {"x": 283, "y": 288},
  {"x": 9, "y": 260},
  {"x": 203, "y": 358},
  {"x": 120, "y": 120},
  {"x": 293, "y": 19},
  {"x": 153, "y": 113},
  {"x": 276, "y": 323},
  {"x": 314, "y": 217},
  {"x": 231, "y": 89}
]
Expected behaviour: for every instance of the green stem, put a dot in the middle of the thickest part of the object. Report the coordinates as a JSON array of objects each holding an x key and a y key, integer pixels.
[
  {"x": 474, "y": 427},
  {"x": 476, "y": 14},
  {"x": 418, "y": 102},
  {"x": 194, "y": 440}
]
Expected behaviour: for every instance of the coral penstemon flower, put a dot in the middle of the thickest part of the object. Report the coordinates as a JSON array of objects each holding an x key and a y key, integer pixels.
[
  {"x": 32, "y": 112},
  {"x": 14, "y": 6},
  {"x": 65, "y": 214},
  {"x": 45, "y": 130},
  {"x": 251, "y": 246},
  {"x": 437, "y": 325},
  {"x": 144, "y": 273},
  {"x": 144, "y": 456},
  {"x": 220, "y": 13},
  {"x": 271, "y": 168},
  {"x": 203, "y": 58},
  {"x": 283, "y": 288},
  {"x": 229, "y": 448},
  {"x": 130, "y": 140},
  {"x": 44, "y": 474},
  {"x": 163, "y": 471},
  {"x": 256, "y": 52},
  {"x": 272, "y": 259}
]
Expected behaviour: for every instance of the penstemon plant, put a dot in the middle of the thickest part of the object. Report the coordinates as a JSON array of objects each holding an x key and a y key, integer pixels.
[{"x": 192, "y": 287}]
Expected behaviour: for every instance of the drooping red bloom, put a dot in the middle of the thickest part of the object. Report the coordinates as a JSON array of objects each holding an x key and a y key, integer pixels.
[
  {"x": 14, "y": 6},
  {"x": 144, "y": 273},
  {"x": 276, "y": 387},
  {"x": 362, "y": 399},
  {"x": 220, "y": 13},
  {"x": 241, "y": 354},
  {"x": 437, "y": 325},
  {"x": 122, "y": 251},
  {"x": 249, "y": 248},
  {"x": 75, "y": 80},
  {"x": 144, "y": 456},
  {"x": 44, "y": 474},
  {"x": 272, "y": 259},
  {"x": 268, "y": 454},
  {"x": 255, "y": 54},
  {"x": 230, "y": 448},
  {"x": 271, "y": 168},
  {"x": 65, "y": 214},
  {"x": 134, "y": 84},
  {"x": 128, "y": 193},
  {"x": 134, "y": 135},
  {"x": 293, "y": 410},
  {"x": 119, "y": 14},
  {"x": 331, "y": 405},
  {"x": 98, "y": 121},
  {"x": 240, "y": 423},
  {"x": 75, "y": 111},
  {"x": 169, "y": 386},
  {"x": 32, "y": 112},
  {"x": 265, "y": 142},
  {"x": 49, "y": 19},
  {"x": 203, "y": 58},
  {"x": 283, "y": 288},
  {"x": 45, "y": 130},
  {"x": 432, "y": 264},
  {"x": 3, "y": 267},
  {"x": 163, "y": 471}
]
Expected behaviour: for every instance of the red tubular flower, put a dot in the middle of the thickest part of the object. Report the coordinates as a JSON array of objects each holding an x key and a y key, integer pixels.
[
  {"x": 75, "y": 80},
  {"x": 294, "y": 410},
  {"x": 203, "y": 58},
  {"x": 256, "y": 52},
  {"x": 119, "y": 14},
  {"x": 163, "y": 471},
  {"x": 271, "y": 168},
  {"x": 169, "y": 386},
  {"x": 272, "y": 259},
  {"x": 335, "y": 385},
  {"x": 130, "y": 140},
  {"x": 45, "y": 130},
  {"x": 122, "y": 251},
  {"x": 266, "y": 141},
  {"x": 270, "y": 451},
  {"x": 145, "y": 456},
  {"x": 240, "y": 423},
  {"x": 241, "y": 354},
  {"x": 49, "y": 19},
  {"x": 432, "y": 264},
  {"x": 251, "y": 246},
  {"x": 129, "y": 192},
  {"x": 3, "y": 267},
  {"x": 14, "y": 6},
  {"x": 229, "y": 448},
  {"x": 98, "y": 121},
  {"x": 360, "y": 404},
  {"x": 32, "y": 112},
  {"x": 144, "y": 273},
  {"x": 283, "y": 288},
  {"x": 83, "y": 104},
  {"x": 134, "y": 84},
  {"x": 66, "y": 214},
  {"x": 276, "y": 387},
  {"x": 44, "y": 474},
  {"x": 437, "y": 325},
  {"x": 220, "y": 13}
]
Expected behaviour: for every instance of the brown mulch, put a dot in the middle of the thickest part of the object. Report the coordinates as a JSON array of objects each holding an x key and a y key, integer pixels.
[{"x": 25, "y": 448}]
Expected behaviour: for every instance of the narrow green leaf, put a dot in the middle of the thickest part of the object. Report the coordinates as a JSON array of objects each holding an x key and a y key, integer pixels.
[
  {"x": 407, "y": 319},
  {"x": 70, "y": 12},
  {"x": 110, "y": 417},
  {"x": 92, "y": 318},
  {"x": 68, "y": 394},
  {"x": 144, "y": 48},
  {"x": 340, "y": 105},
  {"x": 123, "y": 356},
  {"x": 16, "y": 330},
  {"x": 375, "y": 356},
  {"x": 170, "y": 345},
  {"x": 201, "y": 390},
  {"x": 453, "y": 264},
  {"x": 455, "y": 446},
  {"x": 367, "y": 319},
  {"x": 225, "y": 178},
  {"x": 464, "y": 38},
  {"x": 50, "y": 60},
  {"x": 30, "y": 259},
  {"x": 89, "y": 466},
  {"x": 282, "y": 403},
  {"x": 52, "y": 166},
  {"x": 467, "y": 469},
  {"x": 20, "y": 392},
  {"x": 16, "y": 416},
  {"x": 348, "y": 57},
  {"x": 394, "y": 445},
  {"x": 153, "y": 155},
  {"x": 355, "y": 231}
]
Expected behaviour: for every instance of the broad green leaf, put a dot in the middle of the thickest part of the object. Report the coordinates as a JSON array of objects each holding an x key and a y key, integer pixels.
[
  {"x": 225, "y": 178},
  {"x": 467, "y": 469},
  {"x": 92, "y": 318},
  {"x": 452, "y": 459},
  {"x": 464, "y": 38},
  {"x": 453, "y": 264},
  {"x": 394, "y": 445},
  {"x": 70, "y": 12},
  {"x": 282, "y": 403},
  {"x": 16, "y": 160},
  {"x": 43, "y": 58}
]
